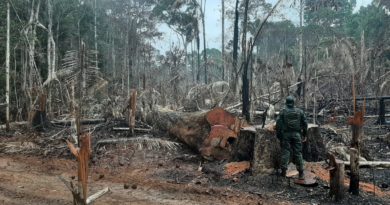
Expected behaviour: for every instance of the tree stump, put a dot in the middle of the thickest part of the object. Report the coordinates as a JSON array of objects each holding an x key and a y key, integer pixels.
[
  {"x": 80, "y": 196},
  {"x": 336, "y": 179},
  {"x": 356, "y": 123},
  {"x": 354, "y": 163},
  {"x": 266, "y": 154},
  {"x": 313, "y": 149}
]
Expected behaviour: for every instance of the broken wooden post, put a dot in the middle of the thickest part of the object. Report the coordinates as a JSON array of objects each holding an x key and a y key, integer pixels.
[
  {"x": 336, "y": 179},
  {"x": 82, "y": 154},
  {"x": 357, "y": 131}
]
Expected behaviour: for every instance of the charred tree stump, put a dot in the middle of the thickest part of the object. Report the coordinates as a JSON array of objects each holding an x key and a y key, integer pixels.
[
  {"x": 266, "y": 154},
  {"x": 313, "y": 148},
  {"x": 336, "y": 179},
  {"x": 357, "y": 131},
  {"x": 354, "y": 163}
]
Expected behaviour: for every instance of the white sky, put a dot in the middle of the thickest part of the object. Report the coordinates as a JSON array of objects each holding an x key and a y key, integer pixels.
[{"x": 213, "y": 24}]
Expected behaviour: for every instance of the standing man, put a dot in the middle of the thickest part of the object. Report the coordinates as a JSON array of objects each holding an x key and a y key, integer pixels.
[{"x": 291, "y": 126}]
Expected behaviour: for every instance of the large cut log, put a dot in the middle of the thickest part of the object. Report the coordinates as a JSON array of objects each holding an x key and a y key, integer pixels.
[{"x": 215, "y": 134}]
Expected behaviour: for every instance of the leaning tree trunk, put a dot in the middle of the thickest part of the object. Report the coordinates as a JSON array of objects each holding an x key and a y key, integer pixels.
[{"x": 235, "y": 50}]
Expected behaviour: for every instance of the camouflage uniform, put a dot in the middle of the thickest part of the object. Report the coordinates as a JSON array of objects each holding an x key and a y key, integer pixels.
[{"x": 290, "y": 126}]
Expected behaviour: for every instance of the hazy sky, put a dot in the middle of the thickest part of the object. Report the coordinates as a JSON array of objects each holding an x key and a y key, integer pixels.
[{"x": 213, "y": 24}]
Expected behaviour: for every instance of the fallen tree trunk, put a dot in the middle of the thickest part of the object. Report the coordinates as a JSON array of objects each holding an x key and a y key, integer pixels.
[
  {"x": 371, "y": 164},
  {"x": 12, "y": 124},
  {"x": 129, "y": 129},
  {"x": 82, "y": 122},
  {"x": 215, "y": 134}
]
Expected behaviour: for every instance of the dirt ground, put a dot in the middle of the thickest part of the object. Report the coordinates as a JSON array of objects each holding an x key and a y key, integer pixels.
[
  {"x": 31, "y": 162},
  {"x": 33, "y": 180}
]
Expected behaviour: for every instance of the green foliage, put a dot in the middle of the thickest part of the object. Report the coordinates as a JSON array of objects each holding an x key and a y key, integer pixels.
[
  {"x": 327, "y": 18},
  {"x": 373, "y": 21},
  {"x": 181, "y": 17}
]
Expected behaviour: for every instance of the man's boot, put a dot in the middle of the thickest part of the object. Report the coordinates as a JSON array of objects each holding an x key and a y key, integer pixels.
[{"x": 301, "y": 175}]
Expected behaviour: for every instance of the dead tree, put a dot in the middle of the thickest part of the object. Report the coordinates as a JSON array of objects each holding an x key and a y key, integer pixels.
[
  {"x": 7, "y": 59},
  {"x": 82, "y": 154}
]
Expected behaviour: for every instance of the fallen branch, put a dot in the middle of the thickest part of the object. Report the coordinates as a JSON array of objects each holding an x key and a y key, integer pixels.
[
  {"x": 14, "y": 124},
  {"x": 261, "y": 96},
  {"x": 83, "y": 122},
  {"x": 127, "y": 129},
  {"x": 371, "y": 164},
  {"x": 144, "y": 141},
  {"x": 97, "y": 195}
]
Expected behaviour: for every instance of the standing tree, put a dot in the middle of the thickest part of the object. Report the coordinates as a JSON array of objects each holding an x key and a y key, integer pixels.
[
  {"x": 7, "y": 59},
  {"x": 223, "y": 39},
  {"x": 234, "y": 72},
  {"x": 245, "y": 80}
]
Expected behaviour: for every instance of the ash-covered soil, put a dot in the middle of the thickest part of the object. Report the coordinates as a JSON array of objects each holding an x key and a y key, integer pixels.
[{"x": 150, "y": 170}]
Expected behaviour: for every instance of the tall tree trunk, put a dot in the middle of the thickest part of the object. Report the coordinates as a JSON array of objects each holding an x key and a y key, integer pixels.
[
  {"x": 204, "y": 41},
  {"x": 223, "y": 39},
  {"x": 245, "y": 81},
  {"x": 7, "y": 64},
  {"x": 235, "y": 48},
  {"x": 301, "y": 36},
  {"x": 95, "y": 36},
  {"x": 198, "y": 54},
  {"x": 244, "y": 28},
  {"x": 51, "y": 47},
  {"x": 51, "y": 53}
]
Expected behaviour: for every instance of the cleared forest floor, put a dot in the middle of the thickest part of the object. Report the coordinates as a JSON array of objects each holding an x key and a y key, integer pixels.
[{"x": 30, "y": 163}]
